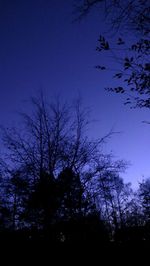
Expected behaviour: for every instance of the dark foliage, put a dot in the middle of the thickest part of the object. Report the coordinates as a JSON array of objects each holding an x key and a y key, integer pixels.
[{"x": 129, "y": 47}]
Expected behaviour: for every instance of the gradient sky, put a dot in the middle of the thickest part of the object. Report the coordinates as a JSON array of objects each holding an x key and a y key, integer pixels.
[{"x": 40, "y": 47}]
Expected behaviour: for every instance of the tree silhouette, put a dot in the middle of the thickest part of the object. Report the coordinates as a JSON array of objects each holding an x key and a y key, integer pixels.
[
  {"x": 144, "y": 193},
  {"x": 46, "y": 164},
  {"x": 71, "y": 194},
  {"x": 129, "y": 47},
  {"x": 57, "y": 187}
]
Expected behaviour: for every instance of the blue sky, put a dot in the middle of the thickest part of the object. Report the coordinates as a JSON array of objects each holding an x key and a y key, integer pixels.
[{"x": 41, "y": 48}]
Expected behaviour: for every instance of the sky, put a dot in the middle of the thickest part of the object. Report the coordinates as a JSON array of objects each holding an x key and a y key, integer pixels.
[{"x": 42, "y": 48}]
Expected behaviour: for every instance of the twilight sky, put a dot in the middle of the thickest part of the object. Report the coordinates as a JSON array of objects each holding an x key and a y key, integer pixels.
[{"x": 40, "y": 47}]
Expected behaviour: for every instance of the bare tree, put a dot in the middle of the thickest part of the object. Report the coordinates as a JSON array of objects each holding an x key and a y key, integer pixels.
[{"x": 51, "y": 139}]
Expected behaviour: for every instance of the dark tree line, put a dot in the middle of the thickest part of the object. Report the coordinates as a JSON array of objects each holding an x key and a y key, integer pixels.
[{"x": 57, "y": 184}]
